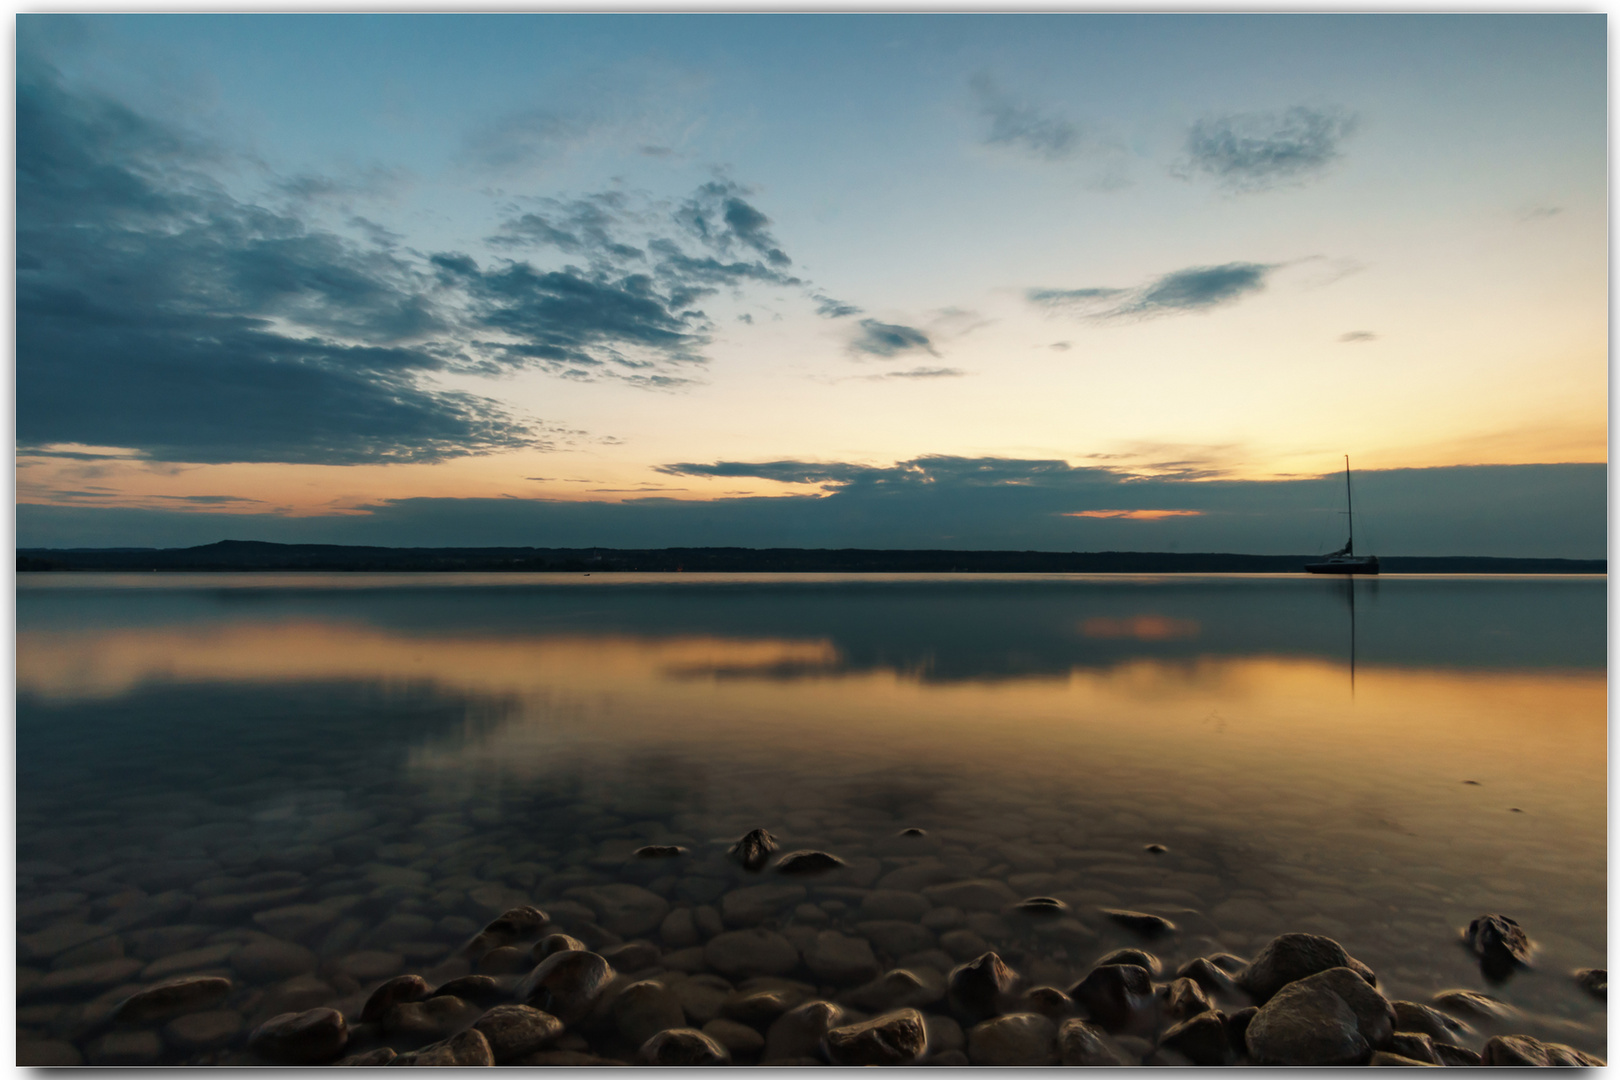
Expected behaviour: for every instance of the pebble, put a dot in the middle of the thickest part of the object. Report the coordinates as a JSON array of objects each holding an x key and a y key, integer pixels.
[
  {"x": 1117, "y": 997},
  {"x": 88, "y": 977},
  {"x": 464, "y": 1049},
  {"x": 1149, "y": 926},
  {"x": 840, "y": 959},
  {"x": 739, "y": 1039},
  {"x": 941, "y": 918},
  {"x": 296, "y": 994},
  {"x": 371, "y": 964},
  {"x": 896, "y": 937},
  {"x": 896, "y": 1038},
  {"x": 977, "y": 988},
  {"x": 433, "y": 1018},
  {"x": 623, "y": 908},
  {"x": 191, "y": 960},
  {"x": 683, "y": 1046},
  {"x": 894, "y": 904},
  {"x": 1291, "y": 957},
  {"x": 808, "y": 862},
  {"x": 755, "y": 904},
  {"x": 305, "y": 1038},
  {"x": 679, "y": 930},
  {"x": 173, "y": 998},
  {"x": 760, "y": 1005},
  {"x": 897, "y": 989},
  {"x": 404, "y": 988},
  {"x": 203, "y": 1030},
  {"x": 643, "y": 1009},
  {"x": 506, "y": 960},
  {"x": 1081, "y": 1044},
  {"x": 556, "y": 943},
  {"x": 1015, "y": 1039},
  {"x": 567, "y": 984},
  {"x": 1202, "y": 1039},
  {"x": 56, "y": 939},
  {"x": 978, "y": 894},
  {"x": 110, "y": 947},
  {"x": 1049, "y": 1001},
  {"x": 478, "y": 989},
  {"x": 754, "y": 849},
  {"x": 702, "y": 996},
  {"x": 659, "y": 851},
  {"x": 755, "y": 951},
  {"x": 131, "y": 1047},
  {"x": 267, "y": 960},
  {"x": 516, "y": 1030},
  {"x": 798, "y": 1032},
  {"x": 963, "y": 944},
  {"x": 1042, "y": 907}
]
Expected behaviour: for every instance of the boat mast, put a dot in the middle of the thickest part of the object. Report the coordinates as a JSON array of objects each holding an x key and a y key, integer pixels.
[{"x": 1350, "y": 510}]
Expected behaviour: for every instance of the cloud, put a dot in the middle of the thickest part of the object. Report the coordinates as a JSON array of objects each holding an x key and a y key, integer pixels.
[
  {"x": 829, "y": 308},
  {"x": 1555, "y": 511},
  {"x": 890, "y": 339},
  {"x": 1540, "y": 212},
  {"x": 1197, "y": 288},
  {"x": 921, "y": 373},
  {"x": 1358, "y": 336},
  {"x": 1132, "y": 515},
  {"x": 157, "y": 312},
  {"x": 1019, "y": 126},
  {"x": 1263, "y": 150}
]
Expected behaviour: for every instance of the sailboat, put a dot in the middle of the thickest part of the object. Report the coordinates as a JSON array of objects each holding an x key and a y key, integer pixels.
[{"x": 1345, "y": 560}]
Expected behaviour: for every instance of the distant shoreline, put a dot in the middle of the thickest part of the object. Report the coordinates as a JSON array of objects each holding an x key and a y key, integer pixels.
[{"x": 238, "y": 555}]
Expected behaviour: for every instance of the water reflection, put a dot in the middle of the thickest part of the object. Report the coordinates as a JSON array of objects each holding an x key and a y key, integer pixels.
[{"x": 1049, "y": 728}]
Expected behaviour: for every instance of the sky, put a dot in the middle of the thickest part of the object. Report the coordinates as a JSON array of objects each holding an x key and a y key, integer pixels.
[{"x": 1064, "y": 281}]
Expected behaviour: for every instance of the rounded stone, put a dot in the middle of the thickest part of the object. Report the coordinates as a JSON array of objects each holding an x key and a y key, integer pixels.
[
  {"x": 434, "y": 1018},
  {"x": 268, "y": 961},
  {"x": 306, "y": 1038},
  {"x": 129, "y": 1047},
  {"x": 643, "y": 1009},
  {"x": 683, "y": 1046},
  {"x": 895, "y": 904},
  {"x": 739, "y": 1039},
  {"x": 567, "y": 984},
  {"x": 754, "y": 951},
  {"x": 808, "y": 862},
  {"x": 170, "y": 999},
  {"x": 393, "y": 992},
  {"x": 840, "y": 959},
  {"x": 1015, "y": 1039},
  {"x": 978, "y": 988},
  {"x": 797, "y": 1032},
  {"x": 556, "y": 943},
  {"x": 516, "y": 1030},
  {"x": 203, "y": 1030},
  {"x": 896, "y": 1038},
  {"x": 1291, "y": 957},
  {"x": 1117, "y": 997}
]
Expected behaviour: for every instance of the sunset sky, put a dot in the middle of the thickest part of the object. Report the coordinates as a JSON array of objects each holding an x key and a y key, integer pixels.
[{"x": 1063, "y": 282}]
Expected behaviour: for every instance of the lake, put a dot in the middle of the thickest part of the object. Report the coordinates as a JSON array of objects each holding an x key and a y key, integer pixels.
[{"x": 309, "y": 783}]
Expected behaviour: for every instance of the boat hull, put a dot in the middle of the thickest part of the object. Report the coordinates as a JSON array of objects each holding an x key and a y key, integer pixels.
[{"x": 1368, "y": 565}]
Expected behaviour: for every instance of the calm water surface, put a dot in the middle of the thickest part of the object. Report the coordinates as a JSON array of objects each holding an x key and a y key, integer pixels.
[{"x": 417, "y": 753}]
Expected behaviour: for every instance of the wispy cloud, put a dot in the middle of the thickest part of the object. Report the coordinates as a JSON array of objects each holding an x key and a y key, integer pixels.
[
  {"x": 1261, "y": 150},
  {"x": 1355, "y": 337},
  {"x": 876, "y": 338},
  {"x": 1020, "y": 126},
  {"x": 1195, "y": 289}
]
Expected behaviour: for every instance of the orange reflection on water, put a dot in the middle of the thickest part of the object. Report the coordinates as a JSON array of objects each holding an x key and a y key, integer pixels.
[{"x": 1140, "y": 628}]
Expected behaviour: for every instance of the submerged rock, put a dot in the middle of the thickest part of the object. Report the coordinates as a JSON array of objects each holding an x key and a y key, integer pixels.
[
  {"x": 643, "y": 1009},
  {"x": 1184, "y": 998},
  {"x": 895, "y": 1038},
  {"x": 171, "y": 999},
  {"x": 683, "y": 1046},
  {"x": 1414, "y": 1017},
  {"x": 739, "y": 1039},
  {"x": 754, "y": 850},
  {"x": 1414, "y": 1045},
  {"x": 434, "y": 1018},
  {"x": 479, "y": 989},
  {"x": 1042, "y": 907},
  {"x": 1500, "y": 943},
  {"x": 1139, "y": 957},
  {"x": 1292, "y": 957},
  {"x": 660, "y": 851},
  {"x": 513, "y": 925},
  {"x": 1207, "y": 975},
  {"x": 841, "y": 960},
  {"x": 556, "y": 943},
  {"x": 808, "y": 862},
  {"x": 1149, "y": 926},
  {"x": 755, "y": 951},
  {"x": 306, "y": 1038},
  {"x": 1049, "y": 1001},
  {"x": 1473, "y": 1003},
  {"x": 1117, "y": 997}
]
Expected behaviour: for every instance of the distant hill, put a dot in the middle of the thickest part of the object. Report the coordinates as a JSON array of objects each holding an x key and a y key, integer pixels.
[{"x": 256, "y": 555}]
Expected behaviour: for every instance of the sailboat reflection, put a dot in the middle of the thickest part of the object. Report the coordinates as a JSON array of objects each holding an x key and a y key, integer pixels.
[{"x": 1347, "y": 590}]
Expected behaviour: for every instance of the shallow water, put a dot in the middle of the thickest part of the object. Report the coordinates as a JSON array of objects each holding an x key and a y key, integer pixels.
[{"x": 442, "y": 746}]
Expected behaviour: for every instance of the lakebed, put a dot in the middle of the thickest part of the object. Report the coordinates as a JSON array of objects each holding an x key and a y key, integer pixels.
[{"x": 311, "y": 784}]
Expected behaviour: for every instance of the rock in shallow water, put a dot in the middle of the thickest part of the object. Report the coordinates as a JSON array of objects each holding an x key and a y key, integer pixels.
[
  {"x": 797, "y": 1032},
  {"x": 1415, "y": 1017},
  {"x": 1015, "y": 1039},
  {"x": 1524, "y": 1050},
  {"x": 754, "y": 849},
  {"x": 1291, "y": 957},
  {"x": 467, "y": 1048},
  {"x": 738, "y": 1039},
  {"x": 566, "y": 984},
  {"x": 1202, "y": 1040},
  {"x": 204, "y": 1030},
  {"x": 683, "y": 1046},
  {"x": 1330, "y": 1018},
  {"x": 978, "y": 988},
  {"x": 1594, "y": 981},
  {"x": 808, "y": 862},
  {"x": 1140, "y": 922},
  {"x": 895, "y": 1038},
  {"x": 170, "y": 999},
  {"x": 755, "y": 951},
  {"x": 435, "y": 1018},
  {"x": 1499, "y": 942},
  {"x": 841, "y": 960},
  {"x": 1081, "y": 1044},
  {"x": 508, "y": 928},
  {"x": 306, "y": 1038},
  {"x": 393, "y": 992},
  {"x": 643, "y": 1009},
  {"x": 1118, "y": 997},
  {"x": 516, "y": 1030}
]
